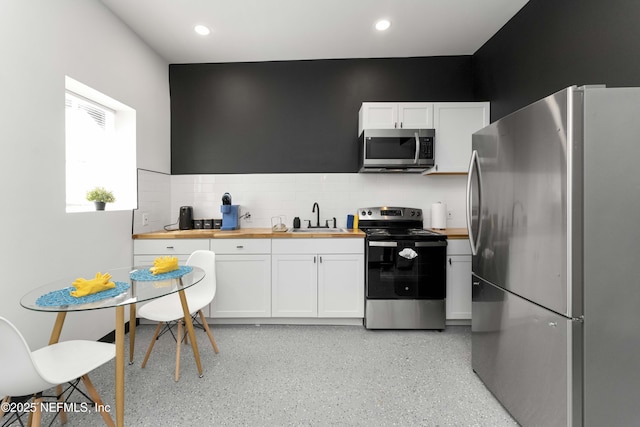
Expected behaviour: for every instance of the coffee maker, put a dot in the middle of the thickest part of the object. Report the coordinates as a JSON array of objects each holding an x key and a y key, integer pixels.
[
  {"x": 230, "y": 214},
  {"x": 185, "y": 218}
]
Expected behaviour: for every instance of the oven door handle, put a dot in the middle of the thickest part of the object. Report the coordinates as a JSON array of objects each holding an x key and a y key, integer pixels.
[
  {"x": 384, "y": 244},
  {"x": 415, "y": 244}
]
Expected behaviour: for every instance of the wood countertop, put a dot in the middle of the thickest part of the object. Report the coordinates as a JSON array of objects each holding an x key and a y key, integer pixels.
[
  {"x": 267, "y": 233},
  {"x": 452, "y": 233},
  {"x": 244, "y": 233}
]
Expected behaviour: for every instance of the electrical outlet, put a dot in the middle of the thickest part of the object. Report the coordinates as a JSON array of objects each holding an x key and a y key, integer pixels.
[
  {"x": 449, "y": 214},
  {"x": 145, "y": 219}
]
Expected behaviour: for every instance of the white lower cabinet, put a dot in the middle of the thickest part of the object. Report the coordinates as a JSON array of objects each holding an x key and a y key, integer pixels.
[
  {"x": 243, "y": 272},
  {"x": 317, "y": 278},
  {"x": 458, "y": 305},
  {"x": 145, "y": 251},
  {"x": 276, "y": 278},
  {"x": 341, "y": 285},
  {"x": 294, "y": 285}
]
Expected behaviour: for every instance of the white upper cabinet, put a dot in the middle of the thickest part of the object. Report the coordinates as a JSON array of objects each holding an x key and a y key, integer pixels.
[
  {"x": 454, "y": 123},
  {"x": 415, "y": 115},
  {"x": 394, "y": 115}
]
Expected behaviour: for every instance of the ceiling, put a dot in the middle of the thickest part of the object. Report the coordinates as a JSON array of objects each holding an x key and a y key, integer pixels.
[{"x": 277, "y": 30}]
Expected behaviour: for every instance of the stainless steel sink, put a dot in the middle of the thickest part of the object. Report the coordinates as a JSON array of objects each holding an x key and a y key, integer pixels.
[{"x": 318, "y": 230}]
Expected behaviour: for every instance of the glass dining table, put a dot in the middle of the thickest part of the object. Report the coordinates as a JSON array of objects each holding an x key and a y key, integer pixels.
[{"x": 133, "y": 285}]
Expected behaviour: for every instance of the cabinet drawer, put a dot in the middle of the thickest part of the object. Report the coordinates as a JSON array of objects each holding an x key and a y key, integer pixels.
[
  {"x": 317, "y": 246},
  {"x": 147, "y": 260},
  {"x": 241, "y": 246},
  {"x": 458, "y": 247},
  {"x": 168, "y": 246}
]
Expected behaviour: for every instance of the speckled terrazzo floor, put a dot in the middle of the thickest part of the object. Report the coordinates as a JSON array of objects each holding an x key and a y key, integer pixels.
[{"x": 305, "y": 376}]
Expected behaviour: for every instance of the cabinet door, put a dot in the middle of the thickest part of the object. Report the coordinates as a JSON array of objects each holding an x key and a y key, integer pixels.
[
  {"x": 294, "y": 290},
  {"x": 243, "y": 286},
  {"x": 378, "y": 115},
  {"x": 454, "y": 123},
  {"x": 415, "y": 115},
  {"x": 341, "y": 285},
  {"x": 459, "y": 287}
]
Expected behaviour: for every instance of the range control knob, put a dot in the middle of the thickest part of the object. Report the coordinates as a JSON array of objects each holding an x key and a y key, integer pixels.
[
  {"x": 369, "y": 213},
  {"x": 418, "y": 213},
  {"x": 363, "y": 213},
  {"x": 412, "y": 213}
]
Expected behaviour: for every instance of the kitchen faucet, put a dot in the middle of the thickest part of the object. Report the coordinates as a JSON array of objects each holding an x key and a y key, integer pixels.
[{"x": 316, "y": 206}]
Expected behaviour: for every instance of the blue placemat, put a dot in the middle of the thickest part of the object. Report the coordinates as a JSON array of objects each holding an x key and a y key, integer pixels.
[
  {"x": 63, "y": 297},
  {"x": 147, "y": 276}
]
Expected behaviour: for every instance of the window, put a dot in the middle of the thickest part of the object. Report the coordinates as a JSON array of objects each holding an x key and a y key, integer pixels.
[{"x": 100, "y": 148}]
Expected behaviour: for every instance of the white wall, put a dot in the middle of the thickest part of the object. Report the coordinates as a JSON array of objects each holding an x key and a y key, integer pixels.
[
  {"x": 340, "y": 194},
  {"x": 41, "y": 41}
]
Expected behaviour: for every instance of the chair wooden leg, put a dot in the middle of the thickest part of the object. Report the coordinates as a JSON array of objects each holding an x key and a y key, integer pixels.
[
  {"x": 93, "y": 393},
  {"x": 206, "y": 328},
  {"x": 36, "y": 416},
  {"x": 192, "y": 334},
  {"x": 153, "y": 341},
  {"x": 5, "y": 400},
  {"x": 62, "y": 413},
  {"x": 178, "y": 345}
]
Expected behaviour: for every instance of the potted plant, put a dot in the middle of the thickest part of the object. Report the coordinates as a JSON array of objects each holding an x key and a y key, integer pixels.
[{"x": 100, "y": 197}]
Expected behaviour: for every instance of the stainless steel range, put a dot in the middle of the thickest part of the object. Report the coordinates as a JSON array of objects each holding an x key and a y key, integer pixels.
[{"x": 405, "y": 278}]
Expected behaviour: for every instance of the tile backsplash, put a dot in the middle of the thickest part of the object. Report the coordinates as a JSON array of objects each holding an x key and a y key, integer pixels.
[{"x": 265, "y": 196}]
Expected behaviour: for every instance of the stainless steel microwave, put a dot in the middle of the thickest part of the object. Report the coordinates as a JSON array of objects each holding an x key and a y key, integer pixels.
[{"x": 396, "y": 150}]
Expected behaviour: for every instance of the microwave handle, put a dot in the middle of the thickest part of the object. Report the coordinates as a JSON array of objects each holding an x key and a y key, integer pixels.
[{"x": 415, "y": 160}]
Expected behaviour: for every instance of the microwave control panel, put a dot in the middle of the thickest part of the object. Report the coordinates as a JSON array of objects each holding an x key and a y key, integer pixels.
[{"x": 426, "y": 147}]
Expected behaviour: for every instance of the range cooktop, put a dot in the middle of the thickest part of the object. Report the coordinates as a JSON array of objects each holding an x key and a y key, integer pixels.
[{"x": 386, "y": 223}]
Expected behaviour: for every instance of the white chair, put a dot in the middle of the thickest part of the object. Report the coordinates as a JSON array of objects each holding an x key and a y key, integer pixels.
[
  {"x": 168, "y": 309},
  {"x": 24, "y": 372}
]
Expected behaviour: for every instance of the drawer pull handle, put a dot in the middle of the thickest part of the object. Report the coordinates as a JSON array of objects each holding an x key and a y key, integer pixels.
[
  {"x": 239, "y": 247},
  {"x": 169, "y": 247}
]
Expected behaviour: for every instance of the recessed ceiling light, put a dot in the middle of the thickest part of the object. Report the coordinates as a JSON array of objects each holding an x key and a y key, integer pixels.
[
  {"x": 383, "y": 24},
  {"x": 202, "y": 30}
]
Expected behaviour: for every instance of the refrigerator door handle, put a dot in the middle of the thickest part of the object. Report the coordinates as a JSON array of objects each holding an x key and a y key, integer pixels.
[{"x": 474, "y": 166}]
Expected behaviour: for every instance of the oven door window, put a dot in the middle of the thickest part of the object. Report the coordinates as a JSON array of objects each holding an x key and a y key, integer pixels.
[
  {"x": 406, "y": 270},
  {"x": 398, "y": 148}
]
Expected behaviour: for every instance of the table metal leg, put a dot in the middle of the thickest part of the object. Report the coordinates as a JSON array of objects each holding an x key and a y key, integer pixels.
[
  {"x": 120, "y": 366},
  {"x": 192, "y": 334},
  {"x": 132, "y": 331}
]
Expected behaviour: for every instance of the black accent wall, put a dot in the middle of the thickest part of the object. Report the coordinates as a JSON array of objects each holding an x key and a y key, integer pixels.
[
  {"x": 550, "y": 45},
  {"x": 294, "y": 116}
]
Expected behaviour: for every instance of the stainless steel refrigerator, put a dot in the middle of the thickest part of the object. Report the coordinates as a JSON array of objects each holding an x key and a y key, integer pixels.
[{"x": 553, "y": 201}]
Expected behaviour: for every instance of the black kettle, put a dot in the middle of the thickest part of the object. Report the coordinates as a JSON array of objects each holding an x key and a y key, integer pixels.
[{"x": 185, "y": 220}]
